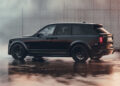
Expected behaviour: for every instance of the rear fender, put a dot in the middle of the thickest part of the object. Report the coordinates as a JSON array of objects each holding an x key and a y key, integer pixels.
[{"x": 81, "y": 43}]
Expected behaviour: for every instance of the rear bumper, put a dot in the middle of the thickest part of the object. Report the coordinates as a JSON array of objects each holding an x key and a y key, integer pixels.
[
  {"x": 108, "y": 51},
  {"x": 102, "y": 52}
]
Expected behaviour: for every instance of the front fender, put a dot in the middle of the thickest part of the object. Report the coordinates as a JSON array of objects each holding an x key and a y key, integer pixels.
[{"x": 16, "y": 42}]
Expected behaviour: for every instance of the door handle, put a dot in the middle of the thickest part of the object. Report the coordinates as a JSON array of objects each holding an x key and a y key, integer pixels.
[{"x": 51, "y": 38}]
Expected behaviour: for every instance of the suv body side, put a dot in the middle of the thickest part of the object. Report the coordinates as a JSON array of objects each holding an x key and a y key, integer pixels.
[{"x": 60, "y": 41}]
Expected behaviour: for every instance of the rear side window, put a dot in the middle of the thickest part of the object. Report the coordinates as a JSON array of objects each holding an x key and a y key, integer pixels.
[
  {"x": 83, "y": 30},
  {"x": 63, "y": 30}
]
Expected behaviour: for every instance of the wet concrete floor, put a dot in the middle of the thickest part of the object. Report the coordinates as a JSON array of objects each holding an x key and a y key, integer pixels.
[{"x": 60, "y": 72}]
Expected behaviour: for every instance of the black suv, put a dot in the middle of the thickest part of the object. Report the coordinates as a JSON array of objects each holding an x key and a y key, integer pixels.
[{"x": 77, "y": 40}]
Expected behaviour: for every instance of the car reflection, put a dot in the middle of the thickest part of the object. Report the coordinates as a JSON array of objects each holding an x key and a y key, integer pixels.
[{"x": 60, "y": 68}]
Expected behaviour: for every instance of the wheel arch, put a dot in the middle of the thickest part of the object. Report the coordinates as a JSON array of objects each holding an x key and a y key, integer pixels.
[
  {"x": 17, "y": 42},
  {"x": 80, "y": 43}
]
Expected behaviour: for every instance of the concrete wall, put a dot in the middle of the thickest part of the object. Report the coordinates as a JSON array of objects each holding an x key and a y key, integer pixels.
[{"x": 31, "y": 15}]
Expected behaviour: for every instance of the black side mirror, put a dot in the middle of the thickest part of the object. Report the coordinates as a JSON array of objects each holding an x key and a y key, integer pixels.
[{"x": 39, "y": 35}]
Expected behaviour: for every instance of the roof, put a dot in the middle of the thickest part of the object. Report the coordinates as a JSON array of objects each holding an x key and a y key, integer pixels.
[{"x": 78, "y": 23}]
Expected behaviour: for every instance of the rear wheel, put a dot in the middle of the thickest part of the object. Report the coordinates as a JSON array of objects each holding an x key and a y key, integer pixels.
[
  {"x": 79, "y": 53},
  {"x": 18, "y": 52}
]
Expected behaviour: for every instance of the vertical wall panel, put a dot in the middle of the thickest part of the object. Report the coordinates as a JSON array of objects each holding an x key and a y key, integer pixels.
[{"x": 104, "y": 12}]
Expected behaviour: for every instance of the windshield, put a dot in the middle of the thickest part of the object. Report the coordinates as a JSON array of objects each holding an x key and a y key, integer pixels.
[{"x": 47, "y": 30}]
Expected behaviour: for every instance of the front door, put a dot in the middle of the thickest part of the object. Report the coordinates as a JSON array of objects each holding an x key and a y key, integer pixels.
[{"x": 41, "y": 43}]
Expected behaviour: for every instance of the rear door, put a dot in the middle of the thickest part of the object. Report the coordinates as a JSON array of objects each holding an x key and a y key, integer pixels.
[{"x": 62, "y": 35}]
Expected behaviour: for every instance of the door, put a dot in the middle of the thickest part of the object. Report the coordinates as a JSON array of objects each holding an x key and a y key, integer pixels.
[
  {"x": 42, "y": 42},
  {"x": 63, "y": 39}
]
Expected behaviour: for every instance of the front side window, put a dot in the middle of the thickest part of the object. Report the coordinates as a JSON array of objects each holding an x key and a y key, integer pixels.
[
  {"x": 63, "y": 30},
  {"x": 49, "y": 30}
]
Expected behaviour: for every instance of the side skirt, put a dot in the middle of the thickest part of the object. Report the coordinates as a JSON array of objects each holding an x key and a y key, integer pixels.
[{"x": 46, "y": 52}]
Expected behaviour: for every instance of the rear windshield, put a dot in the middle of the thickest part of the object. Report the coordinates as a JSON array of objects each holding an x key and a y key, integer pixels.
[{"x": 102, "y": 30}]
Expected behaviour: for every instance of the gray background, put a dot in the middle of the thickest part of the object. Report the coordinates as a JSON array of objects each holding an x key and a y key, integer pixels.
[{"x": 31, "y": 15}]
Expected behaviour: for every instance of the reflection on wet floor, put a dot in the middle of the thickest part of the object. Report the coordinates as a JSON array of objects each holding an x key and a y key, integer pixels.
[
  {"x": 60, "y": 68},
  {"x": 61, "y": 72}
]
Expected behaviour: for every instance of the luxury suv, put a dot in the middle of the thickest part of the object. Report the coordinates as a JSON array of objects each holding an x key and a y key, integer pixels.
[{"x": 78, "y": 40}]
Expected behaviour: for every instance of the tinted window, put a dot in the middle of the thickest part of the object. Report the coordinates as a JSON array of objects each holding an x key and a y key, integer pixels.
[
  {"x": 83, "y": 30},
  {"x": 48, "y": 30},
  {"x": 63, "y": 30}
]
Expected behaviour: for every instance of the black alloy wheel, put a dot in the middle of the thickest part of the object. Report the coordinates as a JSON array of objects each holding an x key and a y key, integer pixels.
[
  {"x": 18, "y": 52},
  {"x": 79, "y": 53}
]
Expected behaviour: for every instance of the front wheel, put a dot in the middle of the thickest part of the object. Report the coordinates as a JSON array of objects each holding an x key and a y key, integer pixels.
[
  {"x": 38, "y": 58},
  {"x": 79, "y": 53},
  {"x": 18, "y": 52}
]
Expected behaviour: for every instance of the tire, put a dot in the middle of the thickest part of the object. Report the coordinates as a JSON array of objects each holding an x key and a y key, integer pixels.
[
  {"x": 18, "y": 52},
  {"x": 96, "y": 58},
  {"x": 38, "y": 59},
  {"x": 79, "y": 53},
  {"x": 37, "y": 56}
]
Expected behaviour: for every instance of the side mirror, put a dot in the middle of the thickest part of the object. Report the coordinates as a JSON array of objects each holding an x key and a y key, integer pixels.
[{"x": 39, "y": 35}]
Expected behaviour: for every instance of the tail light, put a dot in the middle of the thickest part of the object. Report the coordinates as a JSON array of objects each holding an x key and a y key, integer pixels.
[{"x": 100, "y": 40}]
